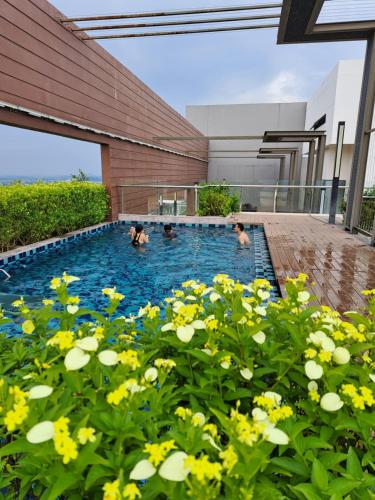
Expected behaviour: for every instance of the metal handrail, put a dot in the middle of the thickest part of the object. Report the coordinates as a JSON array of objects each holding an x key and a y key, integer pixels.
[{"x": 166, "y": 186}]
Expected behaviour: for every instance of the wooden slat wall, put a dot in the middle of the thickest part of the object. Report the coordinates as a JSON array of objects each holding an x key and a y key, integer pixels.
[{"x": 45, "y": 67}]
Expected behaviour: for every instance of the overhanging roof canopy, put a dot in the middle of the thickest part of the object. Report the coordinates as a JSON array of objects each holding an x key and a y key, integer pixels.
[
  {"x": 304, "y": 21},
  {"x": 292, "y": 135}
]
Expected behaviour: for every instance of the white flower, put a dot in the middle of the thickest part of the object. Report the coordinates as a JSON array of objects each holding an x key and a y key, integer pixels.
[
  {"x": 88, "y": 344},
  {"x": 312, "y": 386},
  {"x": 214, "y": 297},
  {"x": 69, "y": 279},
  {"x": 209, "y": 438},
  {"x": 263, "y": 294},
  {"x": 191, "y": 297},
  {"x": 303, "y": 297},
  {"x": 372, "y": 377},
  {"x": 132, "y": 386},
  {"x": 276, "y": 398},
  {"x": 246, "y": 373},
  {"x": 185, "y": 333},
  {"x": 259, "y": 414},
  {"x": 167, "y": 327},
  {"x": 199, "y": 418},
  {"x": 259, "y": 337},
  {"x": 72, "y": 309},
  {"x": 313, "y": 370},
  {"x": 177, "y": 306},
  {"x": 76, "y": 359},
  {"x": 260, "y": 310},
  {"x": 276, "y": 436},
  {"x": 328, "y": 345},
  {"x": 40, "y": 391},
  {"x": 225, "y": 364},
  {"x": 174, "y": 469},
  {"x": 207, "y": 351},
  {"x": 151, "y": 374},
  {"x": 331, "y": 402},
  {"x": 316, "y": 338},
  {"x": 142, "y": 470},
  {"x": 246, "y": 306},
  {"x": 341, "y": 356},
  {"x": 198, "y": 324},
  {"x": 108, "y": 357},
  {"x": 44, "y": 431}
]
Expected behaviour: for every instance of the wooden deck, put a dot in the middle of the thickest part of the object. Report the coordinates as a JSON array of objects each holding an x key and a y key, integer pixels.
[{"x": 340, "y": 264}]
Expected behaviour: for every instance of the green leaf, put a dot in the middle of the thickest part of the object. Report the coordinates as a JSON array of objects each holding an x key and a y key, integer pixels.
[
  {"x": 342, "y": 486},
  {"x": 61, "y": 484},
  {"x": 319, "y": 476},
  {"x": 291, "y": 465},
  {"x": 353, "y": 465},
  {"x": 308, "y": 491}
]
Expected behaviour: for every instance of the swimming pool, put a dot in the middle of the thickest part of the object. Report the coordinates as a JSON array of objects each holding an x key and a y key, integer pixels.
[{"x": 108, "y": 259}]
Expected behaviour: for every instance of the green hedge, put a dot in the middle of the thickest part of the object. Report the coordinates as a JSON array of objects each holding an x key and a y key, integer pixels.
[
  {"x": 217, "y": 200},
  {"x": 30, "y": 213}
]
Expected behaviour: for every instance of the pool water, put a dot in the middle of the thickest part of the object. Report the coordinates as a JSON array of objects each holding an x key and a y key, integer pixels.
[{"x": 142, "y": 274}]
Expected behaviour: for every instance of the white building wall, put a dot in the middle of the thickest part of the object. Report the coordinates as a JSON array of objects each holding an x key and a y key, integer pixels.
[{"x": 245, "y": 119}]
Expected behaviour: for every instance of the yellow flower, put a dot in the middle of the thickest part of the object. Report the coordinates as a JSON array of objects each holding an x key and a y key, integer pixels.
[
  {"x": 183, "y": 412},
  {"x": 112, "y": 491},
  {"x": 337, "y": 335},
  {"x": 314, "y": 396},
  {"x": 48, "y": 302},
  {"x": 367, "y": 293},
  {"x": 358, "y": 401},
  {"x": 349, "y": 390},
  {"x": 367, "y": 396},
  {"x": 86, "y": 434},
  {"x": 158, "y": 452},
  {"x": 14, "y": 418},
  {"x": 99, "y": 333},
  {"x": 229, "y": 457},
  {"x": 64, "y": 444},
  {"x": 325, "y": 356},
  {"x": 264, "y": 402},
  {"x": 278, "y": 414},
  {"x": 112, "y": 294},
  {"x": 131, "y": 491},
  {"x": 211, "y": 428},
  {"x": 310, "y": 353},
  {"x": 28, "y": 326},
  {"x": 55, "y": 283},
  {"x": 115, "y": 397},
  {"x": 18, "y": 303},
  {"x": 62, "y": 339},
  {"x": 129, "y": 358},
  {"x": 202, "y": 469},
  {"x": 73, "y": 300}
]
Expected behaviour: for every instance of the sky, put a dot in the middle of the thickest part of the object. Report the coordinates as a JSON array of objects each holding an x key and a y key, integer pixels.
[{"x": 218, "y": 68}]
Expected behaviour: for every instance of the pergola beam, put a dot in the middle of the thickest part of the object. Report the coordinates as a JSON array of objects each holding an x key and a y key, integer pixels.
[
  {"x": 184, "y": 22},
  {"x": 172, "y": 13},
  {"x": 181, "y": 32}
]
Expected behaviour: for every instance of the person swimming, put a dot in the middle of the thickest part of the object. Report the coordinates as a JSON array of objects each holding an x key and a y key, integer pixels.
[
  {"x": 138, "y": 235},
  {"x": 242, "y": 235},
  {"x": 169, "y": 233}
]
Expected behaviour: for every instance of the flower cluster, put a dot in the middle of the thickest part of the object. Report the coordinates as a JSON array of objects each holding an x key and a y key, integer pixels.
[{"x": 64, "y": 444}]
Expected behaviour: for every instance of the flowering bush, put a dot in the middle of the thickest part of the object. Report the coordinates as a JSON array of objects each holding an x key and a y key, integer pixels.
[{"x": 219, "y": 394}]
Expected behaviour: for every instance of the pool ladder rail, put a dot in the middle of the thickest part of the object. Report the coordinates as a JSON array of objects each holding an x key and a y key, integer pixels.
[{"x": 6, "y": 274}]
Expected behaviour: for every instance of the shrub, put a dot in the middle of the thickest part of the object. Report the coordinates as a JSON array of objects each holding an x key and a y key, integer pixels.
[
  {"x": 217, "y": 200},
  {"x": 217, "y": 395},
  {"x": 34, "y": 212}
]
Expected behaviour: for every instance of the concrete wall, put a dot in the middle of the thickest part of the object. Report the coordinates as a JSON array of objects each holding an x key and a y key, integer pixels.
[
  {"x": 338, "y": 97},
  {"x": 245, "y": 119},
  {"x": 48, "y": 69}
]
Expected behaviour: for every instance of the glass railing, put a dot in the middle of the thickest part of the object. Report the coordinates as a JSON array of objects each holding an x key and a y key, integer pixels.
[
  {"x": 158, "y": 199},
  {"x": 366, "y": 223}
]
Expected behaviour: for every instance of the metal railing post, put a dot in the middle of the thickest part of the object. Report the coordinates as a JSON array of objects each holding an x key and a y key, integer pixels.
[
  {"x": 122, "y": 199},
  {"x": 275, "y": 199},
  {"x": 196, "y": 201}
]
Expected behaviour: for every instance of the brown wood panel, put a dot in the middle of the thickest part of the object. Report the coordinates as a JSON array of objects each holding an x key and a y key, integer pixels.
[
  {"x": 47, "y": 68},
  {"x": 61, "y": 41}
]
